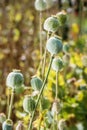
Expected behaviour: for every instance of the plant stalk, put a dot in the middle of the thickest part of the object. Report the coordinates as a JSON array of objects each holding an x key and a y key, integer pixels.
[
  {"x": 11, "y": 104},
  {"x": 41, "y": 91},
  {"x": 56, "y": 96}
]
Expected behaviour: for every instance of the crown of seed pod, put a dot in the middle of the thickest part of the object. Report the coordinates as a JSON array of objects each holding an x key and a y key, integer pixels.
[
  {"x": 84, "y": 60},
  {"x": 54, "y": 45},
  {"x": 20, "y": 126},
  {"x": 62, "y": 124},
  {"x": 62, "y": 17},
  {"x": 57, "y": 64},
  {"x": 51, "y": 24},
  {"x": 36, "y": 83},
  {"x": 66, "y": 48},
  {"x": 56, "y": 107},
  {"x": 7, "y": 125},
  {"x": 66, "y": 59},
  {"x": 40, "y": 5},
  {"x": 2, "y": 117},
  {"x": 15, "y": 79},
  {"x": 28, "y": 104}
]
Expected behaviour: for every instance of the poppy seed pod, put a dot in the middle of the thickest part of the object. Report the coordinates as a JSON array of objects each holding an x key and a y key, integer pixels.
[
  {"x": 57, "y": 64},
  {"x": 54, "y": 45},
  {"x": 51, "y": 24},
  {"x": 2, "y": 117},
  {"x": 66, "y": 48},
  {"x": 62, "y": 124},
  {"x": 36, "y": 83},
  {"x": 62, "y": 17},
  {"x": 28, "y": 104},
  {"x": 7, "y": 125},
  {"x": 20, "y": 126},
  {"x": 14, "y": 79},
  {"x": 40, "y": 5},
  {"x": 66, "y": 59}
]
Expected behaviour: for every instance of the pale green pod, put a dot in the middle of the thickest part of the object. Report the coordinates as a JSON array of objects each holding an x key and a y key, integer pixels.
[
  {"x": 2, "y": 117},
  {"x": 49, "y": 3},
  {"x": 36, "y": 83},
  {"x": 7, "y": 125},
  {"x": 54, "y": 45},
  {"x": 15, "y": 79},
  {"x": 20, "y": 126},
  {"x": 66, "y": 59},
  {"x": 66, "y": 48},
  {"x": 62, "y": 17},
  {"x": 28, "y": 104},
  {"x": 40, "y": 5},
  {"x": 57, "y": 64},
  {"x": 51, "y": 24}
]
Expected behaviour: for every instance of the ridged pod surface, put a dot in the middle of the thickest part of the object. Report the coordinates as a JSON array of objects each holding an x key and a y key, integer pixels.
[
  {"x": 36, "y": 83},
  {"x": 14, "y": 79},
  {"x": 40, "y": 5},
  {"x": 51, "y": 24},
  {"x": 54, "y": 45},
  {"x": 28, "y": 104}
]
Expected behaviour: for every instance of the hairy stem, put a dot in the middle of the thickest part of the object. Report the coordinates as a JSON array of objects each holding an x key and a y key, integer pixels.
[
  {"x": 41, "y": 91},
  {"x": 11, "y": 104}
]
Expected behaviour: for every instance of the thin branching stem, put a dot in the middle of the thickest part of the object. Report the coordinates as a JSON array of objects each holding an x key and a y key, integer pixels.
[{"x": 41, "y": 91}]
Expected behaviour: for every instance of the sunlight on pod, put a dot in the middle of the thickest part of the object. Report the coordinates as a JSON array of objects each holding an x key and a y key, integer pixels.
[
  {"x": 36, "y": 83},
  {"x": 15, "y": 79},
  {"x": 62, "y": 17},
  {"x": 2, "y": 117},
  {"x": 7, "y": 125},
  {"x": 51, "y": 24},
  {"x": 56, "y": 107},
  {"x": 54, "y": 45},
  {"x": 57, "y": 64},
  {"x": 62, "y": 125},
  {"x": 28, "y": 104},
  {"x": 20, "y": 126},
  {"x": 40, "y": 5}
]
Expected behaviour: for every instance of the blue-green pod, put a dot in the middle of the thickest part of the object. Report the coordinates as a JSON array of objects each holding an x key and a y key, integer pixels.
[
  {"x": 66, "y": 48},
  {"x": 54, "y": 45},
  {"x": 57, "y": 64},
  {"x": 7, "y": 125},
  {"x": 36, "y": 83},
  {"x": 51, "y": 24},
  {"x": 28, "y": 104},
  {"x": 15, "y": 79},
  {"x": 40, "y": 5}
]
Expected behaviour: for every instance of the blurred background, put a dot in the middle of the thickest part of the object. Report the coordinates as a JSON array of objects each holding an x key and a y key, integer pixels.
[{"x": 19, "y": 49}]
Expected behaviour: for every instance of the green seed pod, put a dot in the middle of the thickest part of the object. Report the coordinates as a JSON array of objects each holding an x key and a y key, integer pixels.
[
  {"x": 40, "y": 5},
  {"x": 62, "y": 17},
  {"x": 56, "y": 107},
  {"x": 66, "y": 48},
  {"x": 84, "y": 60},
  {"x": 57, "y": 64},
  {"x": 20, "y": 126},
  {"x": 66, "y": 59},
  {"x": 51, "y": 24},
  {"x": 28, "y": 104},
  {"x": 36, "y": 83},
  {"x": 2, "y": 117},
  {"x": 7, "y": 125},
  {"x": 54, "y": 45},
  {"x": 62, "y": 125},
  {"x": 14, "y": 79}
]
